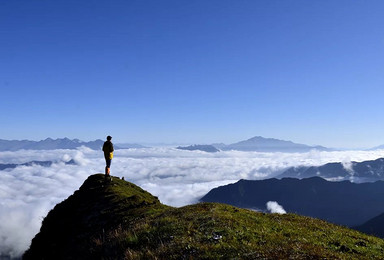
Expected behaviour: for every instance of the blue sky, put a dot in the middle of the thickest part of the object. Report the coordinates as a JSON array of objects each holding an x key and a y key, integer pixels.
[{"x": 193, "y": 71}]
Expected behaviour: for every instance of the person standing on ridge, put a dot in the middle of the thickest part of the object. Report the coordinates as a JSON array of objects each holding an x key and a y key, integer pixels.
[{"x": 108, "y": 155}]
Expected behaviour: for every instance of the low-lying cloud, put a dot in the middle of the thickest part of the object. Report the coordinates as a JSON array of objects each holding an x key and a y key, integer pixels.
[
  {"x": 274, "y": 207},
  {"x": 348, "y": 166},
  {"x": 177, "y": 177}
]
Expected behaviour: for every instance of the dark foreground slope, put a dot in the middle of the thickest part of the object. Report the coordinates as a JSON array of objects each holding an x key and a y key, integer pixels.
[
  {"x": 71, "y": 230},
  {"x": 118, "y": 220}
]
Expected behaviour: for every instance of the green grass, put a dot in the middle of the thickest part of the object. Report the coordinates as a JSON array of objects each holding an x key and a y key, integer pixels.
[
  {"x": 137, "y": 226},
  {"x": 212, "y": 231}
]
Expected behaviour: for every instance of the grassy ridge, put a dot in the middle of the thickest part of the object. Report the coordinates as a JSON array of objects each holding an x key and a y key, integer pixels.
[
  {"x": 129, "y": 223},
  {"x": 212, "y": 231}
]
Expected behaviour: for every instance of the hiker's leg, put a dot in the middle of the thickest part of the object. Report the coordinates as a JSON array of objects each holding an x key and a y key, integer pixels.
[{"x": 107, "y": 168}]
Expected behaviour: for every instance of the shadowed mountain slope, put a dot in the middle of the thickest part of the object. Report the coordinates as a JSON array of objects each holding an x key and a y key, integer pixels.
[
  {"x": 342, "y": 203},
  {"x": 118, "y": 220},
  {"x": 374, "y": 226}
]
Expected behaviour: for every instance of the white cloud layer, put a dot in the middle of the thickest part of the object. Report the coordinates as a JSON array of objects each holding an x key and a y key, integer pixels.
[{"x": 177, "y": 177}]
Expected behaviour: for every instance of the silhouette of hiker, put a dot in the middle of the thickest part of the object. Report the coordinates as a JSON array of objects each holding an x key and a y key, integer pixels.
[{"x": 108, "y": 155}]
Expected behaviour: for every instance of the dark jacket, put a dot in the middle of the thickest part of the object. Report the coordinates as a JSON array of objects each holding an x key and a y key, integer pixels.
[{"x": 107, "y": 149}]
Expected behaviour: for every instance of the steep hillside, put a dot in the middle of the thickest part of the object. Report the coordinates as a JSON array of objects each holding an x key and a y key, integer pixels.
[{"x": 118, "y": 220}]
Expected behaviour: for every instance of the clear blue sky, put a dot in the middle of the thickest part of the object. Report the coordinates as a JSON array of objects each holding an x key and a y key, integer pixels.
[{"x": 193, "y": 71}]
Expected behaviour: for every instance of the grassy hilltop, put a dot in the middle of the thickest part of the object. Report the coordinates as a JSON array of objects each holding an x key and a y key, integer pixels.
[{"x": 119, "y": 220}]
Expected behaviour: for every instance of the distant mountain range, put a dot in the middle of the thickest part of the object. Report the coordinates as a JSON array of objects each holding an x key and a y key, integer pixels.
[
  {"x": 254, "y": 144},
  {"x": 343, "y": 202},
  {"x": 367, "y": 171},
  {"x": 52, "y": 144},
  {"x": 4, "y": 166},
  {"x": 261, "y": 144},
  {"x": 257, "y": 144},
  {"x": 204, "y": 148}
]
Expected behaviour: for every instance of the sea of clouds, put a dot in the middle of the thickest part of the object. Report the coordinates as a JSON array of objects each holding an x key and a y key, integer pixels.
[{"x": 177, "y": 177}]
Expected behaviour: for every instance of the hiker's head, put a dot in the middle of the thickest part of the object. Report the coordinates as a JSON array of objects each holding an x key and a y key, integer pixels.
[{"x": 109, "y": 138}]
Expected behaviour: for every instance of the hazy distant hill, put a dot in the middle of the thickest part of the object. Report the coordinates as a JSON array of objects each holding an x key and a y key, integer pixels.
[
  {"x": 204, "y": 148},
  {"x": 47, "y": 144},
  {"x": 261, "y": 144},
  {"x": 219, "y": 146},
  {"x": 380, "y": 147},
  {"x": 343, "y": 202},
  {"x": 4, "y": 166},
  {"x": 129, "y": 146},
  {"x": 119, "y": 220},
  {"x": 356, "y": 171},
  {"x": 52, "y": 144}
]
